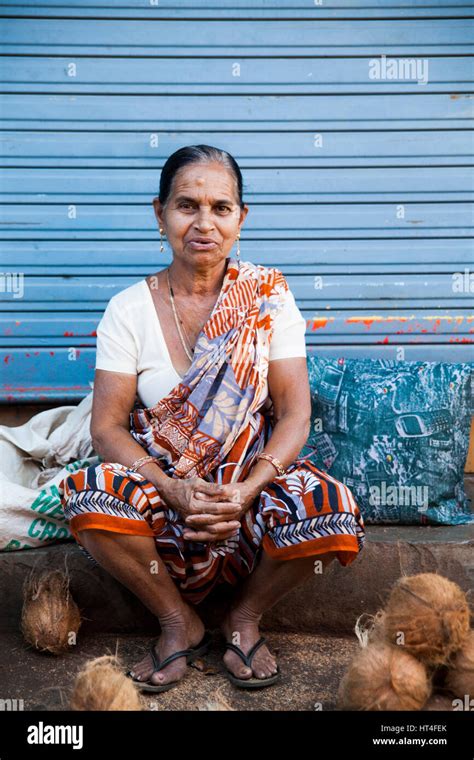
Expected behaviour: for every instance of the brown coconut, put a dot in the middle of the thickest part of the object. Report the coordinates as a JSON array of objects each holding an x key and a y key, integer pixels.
[
  {"x": 428, "y": 616},
  {"x": 438, "y": 702},
  {"x": 102, "y": 685},
  {"x": 49, "y": 614},
  {"x": 460, "y": 674},
  {"x": 384, "y": 677}
]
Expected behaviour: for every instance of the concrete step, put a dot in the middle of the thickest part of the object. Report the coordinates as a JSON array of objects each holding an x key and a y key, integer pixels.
[{"x": 329, "y": 602}]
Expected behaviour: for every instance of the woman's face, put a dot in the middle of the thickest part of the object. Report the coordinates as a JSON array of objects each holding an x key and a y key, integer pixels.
[{"x": 202, "y": 203}]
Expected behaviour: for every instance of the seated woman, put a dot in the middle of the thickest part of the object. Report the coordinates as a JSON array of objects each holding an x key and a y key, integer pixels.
[{"x": 201, "y": 406}]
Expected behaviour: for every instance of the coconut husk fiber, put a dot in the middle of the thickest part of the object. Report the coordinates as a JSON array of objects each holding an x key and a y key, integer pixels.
[
  {"x": 428, "y": 616},
  {"x": 384, "y": 677},
  {"x": 371, "y": 628},
  {"x": 50, "y": 618},
  {"x": 217, "y": 703},
  {"x": 102, "y": 685},
  {"x": 460, "y": 674}
]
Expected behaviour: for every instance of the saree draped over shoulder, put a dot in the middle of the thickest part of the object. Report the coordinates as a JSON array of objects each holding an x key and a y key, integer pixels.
[{"x": 212, "y": 425}]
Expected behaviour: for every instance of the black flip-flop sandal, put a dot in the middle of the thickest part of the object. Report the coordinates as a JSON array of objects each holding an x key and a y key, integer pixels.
[
  {"x": 191, "y": 654},
  {"x": 250, "y": 683}
]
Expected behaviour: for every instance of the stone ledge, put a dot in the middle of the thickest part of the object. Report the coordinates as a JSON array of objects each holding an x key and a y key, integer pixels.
[{"x": 331, "y": 602}]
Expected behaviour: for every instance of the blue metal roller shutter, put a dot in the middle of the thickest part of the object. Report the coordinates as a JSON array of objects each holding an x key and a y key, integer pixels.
[{"x": 360, "y": 187}]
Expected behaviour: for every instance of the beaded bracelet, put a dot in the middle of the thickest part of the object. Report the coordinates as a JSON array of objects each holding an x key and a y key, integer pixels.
[
  {"x": 275, "y": 462},
  {"x": 139, "y": 462}
]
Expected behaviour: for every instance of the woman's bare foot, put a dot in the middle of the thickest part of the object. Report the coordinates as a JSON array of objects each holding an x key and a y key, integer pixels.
[
  {"x": 181, "y": 631},
  {"x": 240, "y": 621}
]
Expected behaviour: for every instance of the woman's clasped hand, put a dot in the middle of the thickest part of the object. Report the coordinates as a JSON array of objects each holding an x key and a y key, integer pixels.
[{"x": 211, "y": 511}]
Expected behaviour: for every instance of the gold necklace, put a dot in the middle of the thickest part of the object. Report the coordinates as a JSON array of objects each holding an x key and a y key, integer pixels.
[
  {"x": 178, "y": 319},
  {"x": 170, "y": 289}
]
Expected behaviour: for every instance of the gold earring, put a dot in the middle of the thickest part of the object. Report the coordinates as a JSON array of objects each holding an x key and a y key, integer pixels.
[{"x": 162, "y": 247}]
